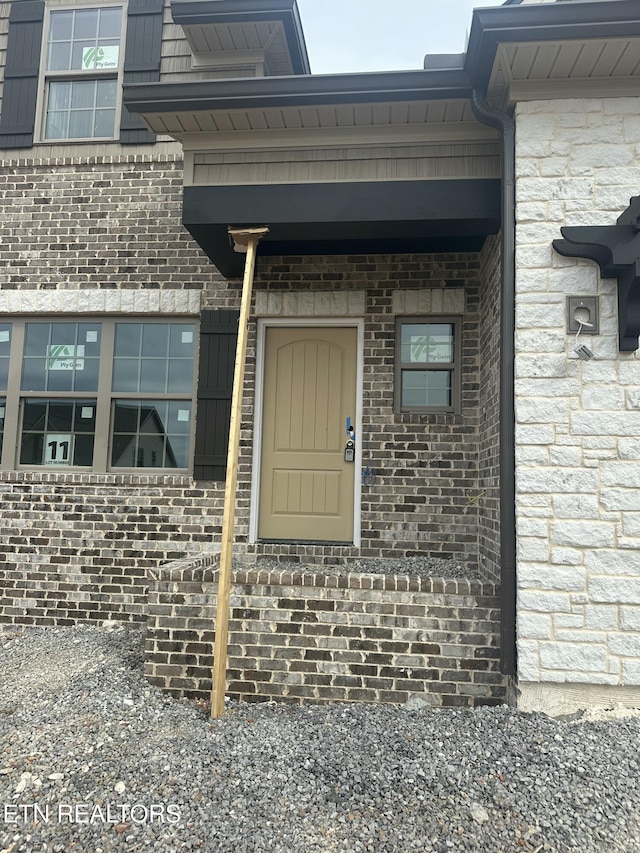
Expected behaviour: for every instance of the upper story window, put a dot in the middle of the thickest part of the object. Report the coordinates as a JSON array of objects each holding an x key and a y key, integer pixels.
[
  {"x": 427, "y": 364},
  {"x": 83, "y": 67},
  {"x": 65, "y": 66}
]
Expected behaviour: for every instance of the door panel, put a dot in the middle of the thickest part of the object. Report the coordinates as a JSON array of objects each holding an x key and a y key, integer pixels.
[{"x": 307, "y": 489}]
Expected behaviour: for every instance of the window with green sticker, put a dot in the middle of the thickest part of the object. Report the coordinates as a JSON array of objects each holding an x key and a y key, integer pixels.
[
  {"x": 427, "y": 364},
  {"x": 82, "y": 72},
  {"x": 103, "y": 395}
]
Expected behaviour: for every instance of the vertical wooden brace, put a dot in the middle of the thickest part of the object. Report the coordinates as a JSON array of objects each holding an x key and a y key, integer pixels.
[{"x": 249, "y": 238}]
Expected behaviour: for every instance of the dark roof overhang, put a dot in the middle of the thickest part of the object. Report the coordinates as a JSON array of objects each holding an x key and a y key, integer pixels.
[
  {"x": 544, "y": 22},
  {"x": 316, "y": 90},
  {"x": 345, "y": 218},
  {"x": 333, "y": 218},
  {"x": 490, "y": 28},
  {"x": 391, "y": 216},
  {"x": 199, "y": 12}
]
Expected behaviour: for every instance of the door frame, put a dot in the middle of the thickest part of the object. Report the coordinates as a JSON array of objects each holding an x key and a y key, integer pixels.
[{"x": 264, "y": 323}]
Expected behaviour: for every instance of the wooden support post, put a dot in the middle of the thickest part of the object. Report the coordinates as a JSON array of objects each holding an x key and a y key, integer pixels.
[{"x": 242, "y": 238}]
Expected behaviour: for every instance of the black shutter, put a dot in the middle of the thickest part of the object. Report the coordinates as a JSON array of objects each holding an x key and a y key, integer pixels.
[
  {"x": 141, "y": 62},
  {"x": 21, "y": 72},
  {"x": 218, "y": 337}
]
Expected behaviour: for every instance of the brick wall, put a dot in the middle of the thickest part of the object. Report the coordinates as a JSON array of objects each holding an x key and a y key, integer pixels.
[
  {"x": 304, "y": 637},
  {"x": 98, "y": 222},
  {"x": 102, "y": 235},
  {"x": 424, "y": 499},
  {"x": 578, "y": 452},
  {"x": 489, "y": 431},
  {"x": 80, "y": 546},
  {"x": 92, "y": 236}
]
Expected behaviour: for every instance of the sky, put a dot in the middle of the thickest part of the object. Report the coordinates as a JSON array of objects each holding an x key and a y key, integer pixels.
[{"x": 383, "y": 35}]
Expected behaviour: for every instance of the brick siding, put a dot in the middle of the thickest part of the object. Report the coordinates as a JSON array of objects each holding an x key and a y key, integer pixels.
[
  {"x": 424, "y": 499},
  {"x": 489, "y": 432},
  {"x": 111, "y": 222},
  {"x": 105, "y": 237},
  {"x": 80, "y": 546},
  {"x": 299, "y": 637}
]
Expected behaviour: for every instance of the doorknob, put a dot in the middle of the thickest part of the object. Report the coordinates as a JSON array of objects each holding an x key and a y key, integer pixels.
[{"x": 350, "y": 447}]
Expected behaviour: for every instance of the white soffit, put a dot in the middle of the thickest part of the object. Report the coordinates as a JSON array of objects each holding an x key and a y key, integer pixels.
[
  {"x": 225, "y": 40},
  {"x": 553, "y": 68},
  {"x": 439, "y": 119}
]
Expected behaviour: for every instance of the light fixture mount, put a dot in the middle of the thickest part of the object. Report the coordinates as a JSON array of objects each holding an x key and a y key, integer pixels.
[
  {"x": 616, "y": 250},
  {"x": 582, "y": 315}
]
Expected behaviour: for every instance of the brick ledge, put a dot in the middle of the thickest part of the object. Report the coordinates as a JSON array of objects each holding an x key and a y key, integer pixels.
[{"x": 204, "y": 569}]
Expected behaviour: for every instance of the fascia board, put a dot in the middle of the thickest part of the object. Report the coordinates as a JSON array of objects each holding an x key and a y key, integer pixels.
[{"x": 316, "y": 90}]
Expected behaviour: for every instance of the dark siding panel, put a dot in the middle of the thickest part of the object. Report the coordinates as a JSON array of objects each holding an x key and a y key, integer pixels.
[
  {"x": 218, "y": 337},
  {"x": 141, "y": 62},
  {"x": 21, "y": 74}
]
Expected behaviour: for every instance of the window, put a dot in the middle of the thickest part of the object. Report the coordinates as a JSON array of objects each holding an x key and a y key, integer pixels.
[
  {"x": 153, "y": 359},
  {"x": 47, "y": 53},
  {"x": 5, "y": 346},
  {"x": 103, "y": 395},
  {"x": 427, "y": 364},
  {"x": 83, "y": 66}
]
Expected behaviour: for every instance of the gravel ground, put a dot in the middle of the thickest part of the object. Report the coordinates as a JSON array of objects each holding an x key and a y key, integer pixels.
[{"x": 93, "y": 759}]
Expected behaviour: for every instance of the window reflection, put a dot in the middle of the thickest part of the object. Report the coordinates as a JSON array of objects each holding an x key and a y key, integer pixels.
[
  {"x": 66, "y": 372},
  {"x": 151, "y": 434},
  {"x": 5, "y": 348},
  {"x": 426, "y": 388},
  {"x": 153, "y": 358},
  {"x": 427, "y": 364},
  {"x": 427, "y": 343}
]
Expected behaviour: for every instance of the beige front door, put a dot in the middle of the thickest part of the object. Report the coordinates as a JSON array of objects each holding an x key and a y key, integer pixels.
[{"x": 306, "y": 487}]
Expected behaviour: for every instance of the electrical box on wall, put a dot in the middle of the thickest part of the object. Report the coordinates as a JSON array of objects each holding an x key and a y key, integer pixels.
[
  {"x": 616, "y": 251},
  {"x": 582, "y": 315}
]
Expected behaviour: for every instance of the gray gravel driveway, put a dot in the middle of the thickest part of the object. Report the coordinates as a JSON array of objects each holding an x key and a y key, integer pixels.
[{"x": 93, "y": 759}]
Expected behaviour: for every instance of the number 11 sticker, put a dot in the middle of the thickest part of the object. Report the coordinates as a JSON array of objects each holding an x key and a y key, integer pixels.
[{"x": 58, "y": 449}]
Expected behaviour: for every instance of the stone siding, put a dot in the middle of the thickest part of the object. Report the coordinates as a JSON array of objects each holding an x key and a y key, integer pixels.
[
  {"x": 578, "y": 423},
  {"x": 310, "y": 637}
]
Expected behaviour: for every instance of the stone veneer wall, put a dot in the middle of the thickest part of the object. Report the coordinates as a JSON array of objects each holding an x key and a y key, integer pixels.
[
  {"x": 310, "y": 637},
  {"x": 578, "y": 423}
]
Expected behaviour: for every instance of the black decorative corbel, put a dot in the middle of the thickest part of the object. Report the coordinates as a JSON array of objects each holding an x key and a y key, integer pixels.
[{"x": 616, "y": 250}]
